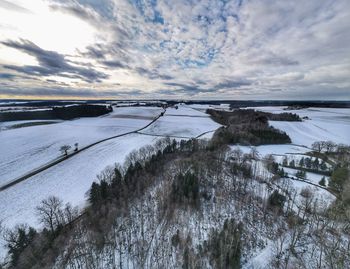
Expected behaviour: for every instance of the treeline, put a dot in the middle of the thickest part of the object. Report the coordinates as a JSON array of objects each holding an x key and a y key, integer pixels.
[
  {"x": 330, "y": 147},
  {"x": 63, "y": 113},
  {"x": 307, "y": 164},
  {"x": 248, "y": 127}
]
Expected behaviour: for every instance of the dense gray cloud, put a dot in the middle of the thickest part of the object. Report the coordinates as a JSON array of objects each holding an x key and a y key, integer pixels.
[
  {"x": 7, "y": 76},
  {"x": 204, "y": 49},
  {"x": 67, "y": 91},
  {"x": 51, "y": 63}
]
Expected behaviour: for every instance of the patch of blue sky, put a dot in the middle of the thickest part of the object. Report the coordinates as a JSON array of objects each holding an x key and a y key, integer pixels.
[{"x": 152, "y": 15}]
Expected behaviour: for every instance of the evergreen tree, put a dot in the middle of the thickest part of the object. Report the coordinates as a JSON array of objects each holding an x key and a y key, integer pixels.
[
  {"x": 285, "y": 161},
  {"x": 103, "y": 190},
  {"x": 301, "y": 174},
  {"x": 322, "y": 181},
  {"x": 308, "y": 163},
  {"x": 95, "y": 193},
  {"x": 292, "y": 163},
  {"x": 301, "y": 162},
  {"x": 277, "y": 200},
  {"x": 18, "y": 240},
  {"x": 323, "y": 165}
]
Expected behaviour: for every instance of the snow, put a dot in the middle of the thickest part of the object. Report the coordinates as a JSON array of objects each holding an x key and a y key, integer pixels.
[
  {"x": 185, "y": 127},
  {"x": 310, "y": 131},
  {"x": 10, "y": 124},
  {"x": 204, "y": 107},
  {"x": 323, "y": 124},
  {"x": 276, "y": 149},
  {"x": 262, "y": 259},
  {"x": 137, "y": 111},
  {"x": 312, "y": 177},
  {"x": 68, "y": 180},
  {"x": 184, "y": 110},
  {"x": 323, "y": 196},
  {"x": 183, "y": 122},
  {"x": 28, "y": 148}
]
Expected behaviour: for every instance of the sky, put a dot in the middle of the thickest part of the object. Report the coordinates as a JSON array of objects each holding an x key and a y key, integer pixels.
[{"x": 178, "y": 49}]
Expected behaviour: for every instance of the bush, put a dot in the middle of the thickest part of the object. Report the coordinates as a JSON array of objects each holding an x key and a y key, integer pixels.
[
  {"x": 322, "y": 182},
  {"x": 276, "y": 200}
]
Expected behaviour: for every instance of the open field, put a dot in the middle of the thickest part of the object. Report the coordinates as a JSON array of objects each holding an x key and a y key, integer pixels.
[{"x": 30, "y": 147}]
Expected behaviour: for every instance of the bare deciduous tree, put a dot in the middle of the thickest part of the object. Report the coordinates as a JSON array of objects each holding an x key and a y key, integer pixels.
[
  {"x": 64, "y": 149},
  {"x": 50, "y": 213}
]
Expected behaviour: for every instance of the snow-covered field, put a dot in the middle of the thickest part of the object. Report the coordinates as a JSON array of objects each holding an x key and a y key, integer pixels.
[
  {"x": 30, "y": 147},
  {"x": 204, "y": 107},
  {"x": 182, "y": 122},
  {"x": 323, "y": 124},
  {"x": 69, "y": 180}
]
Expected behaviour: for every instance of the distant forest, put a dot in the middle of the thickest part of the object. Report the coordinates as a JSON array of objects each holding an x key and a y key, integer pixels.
[
  {"x": 232, "y": 103},
  {"x": 63, "y": 113}
]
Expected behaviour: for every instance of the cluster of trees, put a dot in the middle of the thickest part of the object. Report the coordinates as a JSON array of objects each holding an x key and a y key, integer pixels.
[
  {"x": 247, "y": 127},
  {"x": 223, "y": 247},
  {"x": 28, "y": 247},
  {"x": 64, "y": 149},
  {"x": 273, "y": 167},
  {"x": 301, "y": 174},
  {"x": 119, "y": 183},
  {"x": 185, "y": 189},
  {"x": 308, "y": 164},
  {"x": 17, "y": 240},
  {"x": 330, "y": 147},
  {"x": 230, "y": 117}
]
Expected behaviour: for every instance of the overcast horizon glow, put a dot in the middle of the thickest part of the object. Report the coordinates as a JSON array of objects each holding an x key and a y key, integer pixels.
[{"x": 258, "y": 49}]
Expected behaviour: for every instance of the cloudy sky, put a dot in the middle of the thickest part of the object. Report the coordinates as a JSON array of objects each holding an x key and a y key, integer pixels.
[{"x": 211, "y": 49}]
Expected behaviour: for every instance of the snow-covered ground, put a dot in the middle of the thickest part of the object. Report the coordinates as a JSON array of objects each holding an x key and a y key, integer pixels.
[
  {"x": 182, "y": 122},
  {"x": 204, "y": 107},
  {"x": 309, "y": 131},
  {"x": 30, "y": 147},
  {"x": 277, "y": 150},
  {"x": 26, "y": 123},
  {"x": 323, "y": 124},
  {"x": 312, "y": 177},
  {"x": 69, "y": 180}
]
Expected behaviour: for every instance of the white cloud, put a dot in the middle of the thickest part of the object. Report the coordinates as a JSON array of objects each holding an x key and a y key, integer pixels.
[{"x": 276, "y": 48}]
